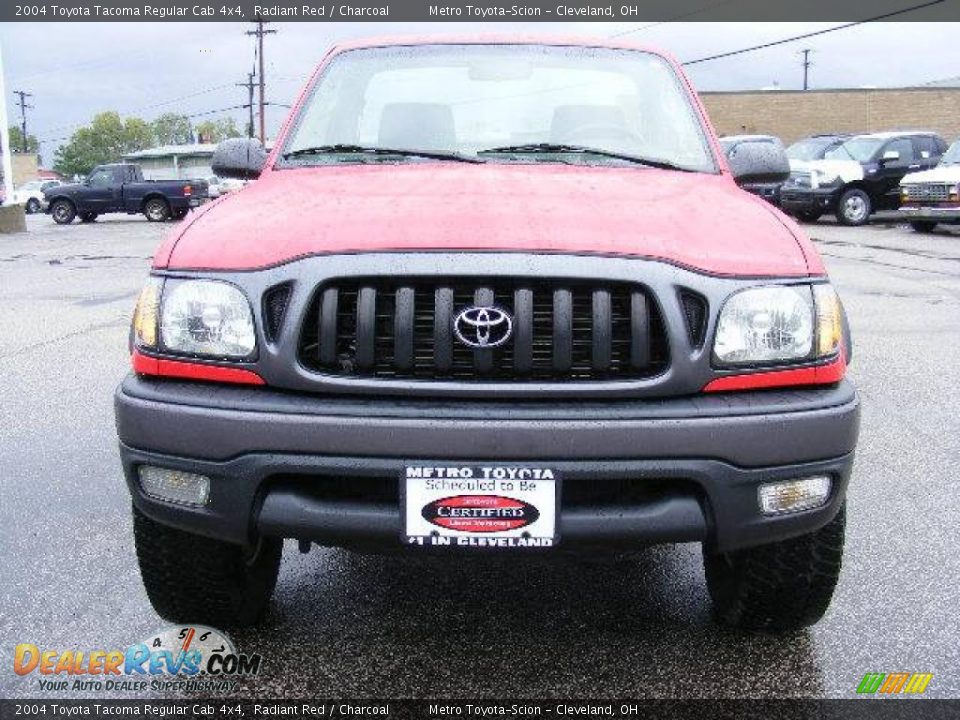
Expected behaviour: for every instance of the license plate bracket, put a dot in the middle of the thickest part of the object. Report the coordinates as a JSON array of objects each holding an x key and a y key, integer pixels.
[{"x": 479, "y": 506}]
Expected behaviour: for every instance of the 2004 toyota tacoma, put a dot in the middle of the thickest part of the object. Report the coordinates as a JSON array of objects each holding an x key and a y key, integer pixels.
[{"x": 490, "y": 295}]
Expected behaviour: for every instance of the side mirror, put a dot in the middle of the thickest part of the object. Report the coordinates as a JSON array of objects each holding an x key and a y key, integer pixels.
[
  {"x": 890, "y": 156},
  {"x": 755, "y": 162},
  {"x": 241, "y": 158}
]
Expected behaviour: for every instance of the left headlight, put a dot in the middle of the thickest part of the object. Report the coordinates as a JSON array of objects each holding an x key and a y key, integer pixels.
[
  {"x": 779, "y": 324},
  {"x": 195, "y": 317},
  {"x": 766, "y": 325}
]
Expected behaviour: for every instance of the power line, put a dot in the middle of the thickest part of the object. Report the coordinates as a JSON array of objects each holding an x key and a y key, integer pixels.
[
  {"x": 784, "y": 41},
  {"x": 23, "y": 117},
  {"x": 260, "y": 32}
]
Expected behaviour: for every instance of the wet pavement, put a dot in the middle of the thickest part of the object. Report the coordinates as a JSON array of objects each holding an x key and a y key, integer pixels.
[{"x": 344, "y": 625}]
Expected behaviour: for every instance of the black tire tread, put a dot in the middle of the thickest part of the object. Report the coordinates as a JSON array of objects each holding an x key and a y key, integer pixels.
[
  {"x": 191, "y": 578},
  {"x": 782, "y": 586}
]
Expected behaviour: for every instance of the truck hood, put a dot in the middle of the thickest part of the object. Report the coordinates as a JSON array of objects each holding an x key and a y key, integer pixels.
[
  {"x": 939, "y": 174},
  {"x": 699, "y": 221}
]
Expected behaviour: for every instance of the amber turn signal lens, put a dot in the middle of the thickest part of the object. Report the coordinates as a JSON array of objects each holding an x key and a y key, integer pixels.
[
  {"x": 829, "y": 320},
  {"x": 145, "y": 316}
]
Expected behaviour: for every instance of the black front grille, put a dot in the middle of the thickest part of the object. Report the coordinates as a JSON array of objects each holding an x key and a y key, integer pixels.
[{"x": 562, "y": 330}]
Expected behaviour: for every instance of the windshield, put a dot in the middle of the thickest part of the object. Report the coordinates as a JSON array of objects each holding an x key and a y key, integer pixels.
[
  {"x": 810, "y": 149},
  {"x": 528, "y": 102},
  {"x": 859, "y": 149},
  {"x": 952, "y": 155}
]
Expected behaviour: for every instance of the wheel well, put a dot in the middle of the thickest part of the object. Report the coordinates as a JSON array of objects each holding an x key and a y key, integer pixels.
[
  {"x": 152, "y": 196},
  {"x": 64, "y": 198},
  {"x": 856, "y": 185}
]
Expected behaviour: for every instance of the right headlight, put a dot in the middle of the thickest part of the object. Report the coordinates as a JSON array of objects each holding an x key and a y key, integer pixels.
[
  {"x": 207, "y": 318},
  {"x": 778, "y": 324}
]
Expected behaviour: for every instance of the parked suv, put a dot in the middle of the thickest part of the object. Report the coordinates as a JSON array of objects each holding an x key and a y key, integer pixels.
[
  {"x": 860, "y": 176},
  {"x": 490, "y": 296},
  {"x": 933, "y": 196}
]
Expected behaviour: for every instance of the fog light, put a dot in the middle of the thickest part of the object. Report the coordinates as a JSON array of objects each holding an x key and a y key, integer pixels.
[
  {"x": 794, "y": 495},
  {"x": 175, "y": 486}
]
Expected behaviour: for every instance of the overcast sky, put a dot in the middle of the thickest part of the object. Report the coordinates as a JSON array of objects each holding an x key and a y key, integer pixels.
[{"x": 145, "y": 69}]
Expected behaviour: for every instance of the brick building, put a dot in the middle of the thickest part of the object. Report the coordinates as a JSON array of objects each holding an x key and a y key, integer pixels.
[{"x": 794, "y": 114}]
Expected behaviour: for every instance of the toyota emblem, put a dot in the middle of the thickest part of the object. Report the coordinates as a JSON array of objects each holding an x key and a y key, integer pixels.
[{"x": 483, "y": 327}]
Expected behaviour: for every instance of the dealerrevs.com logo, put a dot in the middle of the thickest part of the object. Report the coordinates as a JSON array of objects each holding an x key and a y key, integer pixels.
[{"x": 193, "y": 657}]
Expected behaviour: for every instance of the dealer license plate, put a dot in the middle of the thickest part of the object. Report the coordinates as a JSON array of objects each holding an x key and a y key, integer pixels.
[{"x": 478, "y": 506}]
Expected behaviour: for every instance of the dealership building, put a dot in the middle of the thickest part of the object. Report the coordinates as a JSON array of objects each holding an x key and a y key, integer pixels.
[{"x": 795, "y": 114}]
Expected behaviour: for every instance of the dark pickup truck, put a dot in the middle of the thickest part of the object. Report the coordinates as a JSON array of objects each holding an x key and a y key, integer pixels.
[{"x": 120, "y": 187}]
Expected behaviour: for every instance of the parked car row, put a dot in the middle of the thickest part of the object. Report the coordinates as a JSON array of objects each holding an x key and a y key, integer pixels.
[{"x": 853, "y": 176}]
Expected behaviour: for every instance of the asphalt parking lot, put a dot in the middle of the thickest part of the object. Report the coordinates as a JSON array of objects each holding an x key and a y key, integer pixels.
[{"x": 344, "y": 625}]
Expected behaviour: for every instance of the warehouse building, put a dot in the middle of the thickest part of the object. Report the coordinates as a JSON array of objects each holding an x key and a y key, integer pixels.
[
  {"x": 175, "y": 162},
  {"x": 795, "y": 114}
]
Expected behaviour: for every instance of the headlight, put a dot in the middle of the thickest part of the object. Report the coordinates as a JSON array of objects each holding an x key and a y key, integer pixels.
[
  {"x": 765, "y": 325},
  {"x": 776, "y": 324},
  {"x": 206, "y": 317}
]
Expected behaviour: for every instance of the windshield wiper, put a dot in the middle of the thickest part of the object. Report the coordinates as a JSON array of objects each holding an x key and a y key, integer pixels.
[
  {"x": 351, "y": 149},
  {"x": 545, "y": 147}
]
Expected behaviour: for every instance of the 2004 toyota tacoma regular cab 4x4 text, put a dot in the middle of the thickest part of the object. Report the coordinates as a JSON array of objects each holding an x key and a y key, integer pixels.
[{"x": 490, "y": 295}]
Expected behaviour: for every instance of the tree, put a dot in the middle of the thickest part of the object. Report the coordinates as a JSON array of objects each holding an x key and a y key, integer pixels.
[
  {"x": 213, "y": 131},
  {"x": 16, "y": 141},
  {"x": 105, "y": 140},
  {"x": 172, "y": 129}
]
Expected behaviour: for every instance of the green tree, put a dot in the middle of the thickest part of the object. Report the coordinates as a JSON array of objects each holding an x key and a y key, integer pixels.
[
  {"x": 172, "y": 129},
  {"x": 16, "y": 141},
  {"x": 105, "y": 140},
  {"x": 138, "y": 134},
  {"x": 213, "y": 131}
]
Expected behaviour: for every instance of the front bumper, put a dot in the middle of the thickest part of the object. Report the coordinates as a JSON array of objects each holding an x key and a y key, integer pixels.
[
  {"x": 794, "y": 200},
  {"x": 326, "y": 469},
  {"x": 931, "y": 214}
]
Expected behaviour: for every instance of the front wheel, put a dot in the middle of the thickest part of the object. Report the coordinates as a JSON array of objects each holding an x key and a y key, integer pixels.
[
  {"x": 194, "y": 579},
  {"x": 854, "y": 207},
  {"x": 781, "y": 586},
  {"x": 923, "y": 226},
  {"x": 63, "y": 212},
  {"x": 156, "y": 210},
  {"x": 32, "y": 206}
]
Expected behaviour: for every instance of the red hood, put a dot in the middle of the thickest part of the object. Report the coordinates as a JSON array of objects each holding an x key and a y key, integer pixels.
[{"x": 695, "y": 220}]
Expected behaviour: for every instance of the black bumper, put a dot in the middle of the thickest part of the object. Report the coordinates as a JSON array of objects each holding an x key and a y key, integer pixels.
[
  {"x": 821, "y": 200},
  {"x": 635, "y": 472}
]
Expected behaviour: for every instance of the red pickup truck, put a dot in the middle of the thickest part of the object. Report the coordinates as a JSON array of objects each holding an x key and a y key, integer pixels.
[{"x": 490, "y": 295}]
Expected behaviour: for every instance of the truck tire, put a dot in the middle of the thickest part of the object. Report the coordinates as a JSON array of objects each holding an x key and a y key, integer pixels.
[
  {"x": 809, "y": 216},
  {"x": 923, "y": 226},
  {"x": 854, "y": 207},
  {"x": 194, "y": 579},
  {"x": 32, "y": 206},
  {"x": 156, "y": 210},
  {"x": 63, "y": 212},
  {"x": 782, "y": 586},
  {"x": 88, "y": 217}
]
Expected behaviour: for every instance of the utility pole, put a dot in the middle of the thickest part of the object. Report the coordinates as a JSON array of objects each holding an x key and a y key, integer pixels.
[
  {"x": 259, "y": 33},
  {"x": 249, "y": 85},
  {"x": 23, "y": 116},
  {"x": 806, "y": 68}
]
